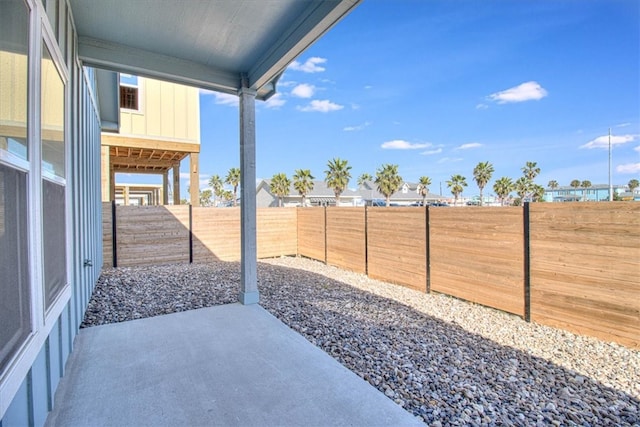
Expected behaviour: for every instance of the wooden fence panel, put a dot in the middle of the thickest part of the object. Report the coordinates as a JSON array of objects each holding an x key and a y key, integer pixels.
[
  {"x": 216, "y": 234},
  {"x": 277, "y": 233},
  {"x": 107, "y": 235},
  {"x": 311, "y": 233},
  {"x": 396, "y": 246},
  {"x": 477, "y": 254},
  {"x": 346, "y": 238},
  {"x": 150, "y": 235},
  {"x": 585, "y": 268}
]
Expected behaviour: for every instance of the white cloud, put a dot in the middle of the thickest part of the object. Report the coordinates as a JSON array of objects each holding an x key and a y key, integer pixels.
[
  {"x": 323, "y": 106},
  {"x": 185, "y": 175},
  {"x": 399, "y": 144},
  {"x": 368, "y": 87},
  {"x": 226, "y": 99},
  {"x": 482, "y": 107},
  {"x": 303, "y": 90},
  {"x": 469, "y": 146},
  {"x": 603, "y": 141},
  {"x": 623, "y": 125},
  {"x": 356, "y": 128},
  {"x": 432, "y": 152},
  {"x": 312, "y": 65},
  {"x": 275, "y": 101},
  {"x": 449, "y": 159},
  {"x": 525, "y": 92},
  {"x": 630, "y": 168},
  {"x": 637, "y": 148}
]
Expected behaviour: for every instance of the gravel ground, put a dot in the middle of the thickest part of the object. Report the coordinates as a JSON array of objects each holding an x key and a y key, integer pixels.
[{"x": 447, "y": 361}]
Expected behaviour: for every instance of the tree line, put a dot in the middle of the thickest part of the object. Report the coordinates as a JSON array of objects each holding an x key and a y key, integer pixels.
[{"x": 388, "y": 181}]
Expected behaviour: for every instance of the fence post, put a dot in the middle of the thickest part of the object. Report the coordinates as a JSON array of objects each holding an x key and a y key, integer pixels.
[
  {"x": 114, "y": 239},
  {"x": 325, "y": 234},
  {"x": 428, "y": 249},
  {"x": 366, "y": 240},
  {"x": 527, "y": 265},
  {"x": 190, "y": 234}
]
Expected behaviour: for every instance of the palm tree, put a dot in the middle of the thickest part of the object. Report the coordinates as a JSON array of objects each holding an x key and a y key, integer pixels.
[
  {"x": 226, "y": 195},
  {"x": 362, "y": 179},
  {"x": 233, "y": 179},
  {"x": 575, "y": 184},
  {"x": 482, "y": 174},
  {"x": 456, "y": 184},
  {"x": 522, "y": 187},
  {"x": 531, "y": 170},
  {"x": 215, "y": 182},
  {"x": 503, "y": 187},
  {"x": 205, "y": 197},
  {"x": 537, "y": 193},
  {"x": 553, "y": 184},
  {"x": 337, "y": 176},
  {"x": 585, "y": 184},
  {"x": 388, "y": 180},
  {"x": 303, "y": 183},
  {"x": 423, "y": 187},
  {"x": 280, "y": 186},
  {"x": 633, "y": 184}
]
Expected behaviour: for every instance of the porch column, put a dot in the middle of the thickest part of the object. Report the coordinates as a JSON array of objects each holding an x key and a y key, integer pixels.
[
  {"x": 176, "y": 184},
  {"x": 112, "y": 183},
  {"x": 105, "y": 172},
  {"x": 249, "y": 254},
  {"x": 165, "y": 187},
  {"x": 194, "y": 179}
]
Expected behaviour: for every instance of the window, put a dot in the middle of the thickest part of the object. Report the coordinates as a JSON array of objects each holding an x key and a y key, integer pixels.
[
  {"x": 15, "y": 299},
  {"x": 129, "y": 92},
  {"x": 53, "y": 179}
]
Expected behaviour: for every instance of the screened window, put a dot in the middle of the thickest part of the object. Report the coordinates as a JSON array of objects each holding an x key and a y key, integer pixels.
[
  {"x": 129, "y": 92},
  {"x": 15, "y": 314},
  {"x": 14, "y": 268},
  {"x": 53, "y": 182}
]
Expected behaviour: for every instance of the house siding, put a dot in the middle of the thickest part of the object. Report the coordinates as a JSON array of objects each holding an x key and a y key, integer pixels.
[{"x": 29, "y": 400}]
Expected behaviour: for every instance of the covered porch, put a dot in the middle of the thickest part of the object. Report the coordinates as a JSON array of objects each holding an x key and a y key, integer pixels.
[{"x": 223, "y": 365}]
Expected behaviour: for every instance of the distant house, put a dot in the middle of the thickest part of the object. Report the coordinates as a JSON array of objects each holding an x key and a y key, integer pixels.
[
  {"x": 595, "y": 193},
  {"x": 321, "y": 195},
  {"x": 158, "y": 127}
]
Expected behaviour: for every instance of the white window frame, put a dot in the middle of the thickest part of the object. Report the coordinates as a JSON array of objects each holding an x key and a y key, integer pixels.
[
  {"x": 40, "y": 35},
  {"x": 140, "y": 87}
]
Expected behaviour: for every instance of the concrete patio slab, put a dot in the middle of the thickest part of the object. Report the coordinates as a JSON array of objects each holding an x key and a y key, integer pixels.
[{"x": 229, "y": 365}]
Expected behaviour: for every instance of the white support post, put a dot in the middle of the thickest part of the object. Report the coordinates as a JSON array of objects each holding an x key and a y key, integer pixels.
[{"x": 249, "y": 255}]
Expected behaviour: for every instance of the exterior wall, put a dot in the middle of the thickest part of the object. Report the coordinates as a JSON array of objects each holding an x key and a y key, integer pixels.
[
  {"x": 168, "y": 111},
  {"x": 29, "y": 380}
]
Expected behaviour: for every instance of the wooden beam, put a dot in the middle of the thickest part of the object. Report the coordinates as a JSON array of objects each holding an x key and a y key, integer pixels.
[
  {"x": 133, "y": 162},
  {"x": 149, "y": 144}
]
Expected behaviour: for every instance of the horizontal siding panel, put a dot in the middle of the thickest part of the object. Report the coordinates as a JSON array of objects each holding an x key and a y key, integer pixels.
[
  {"x": 585, "y": 268},
  {"x": 311, "y": 233},
  {"x": 478, "y": 255},
  {"x": 396, "y": 246},
  {"x": 346, "y": 239}
]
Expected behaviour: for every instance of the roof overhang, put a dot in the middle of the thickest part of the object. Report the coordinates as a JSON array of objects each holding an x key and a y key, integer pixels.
[{"x": 221, "y": 45}]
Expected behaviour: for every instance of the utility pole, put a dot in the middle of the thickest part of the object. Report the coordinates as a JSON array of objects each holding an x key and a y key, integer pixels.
[{"x": 610, "y": 184}]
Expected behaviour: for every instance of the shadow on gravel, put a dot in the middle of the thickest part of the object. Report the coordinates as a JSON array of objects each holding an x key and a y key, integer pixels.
[{"x": 434, "y": 369}]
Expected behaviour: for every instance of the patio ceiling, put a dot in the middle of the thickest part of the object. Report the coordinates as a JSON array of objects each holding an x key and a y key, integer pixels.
[{"x": 216, "y": 45}]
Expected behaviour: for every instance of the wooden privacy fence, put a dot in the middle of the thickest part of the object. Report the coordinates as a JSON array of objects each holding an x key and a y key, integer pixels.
[
  {"x": 570, "y": 265},
  {"x": 574, "y": 265},
  {"x": 152, "y": 235}
]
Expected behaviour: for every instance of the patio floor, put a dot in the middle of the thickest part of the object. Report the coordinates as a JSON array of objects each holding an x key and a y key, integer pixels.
[{"x": 223, "y": 365}]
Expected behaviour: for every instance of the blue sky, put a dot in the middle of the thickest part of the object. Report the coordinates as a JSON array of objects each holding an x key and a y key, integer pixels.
[{"x": 437, "y": 86}]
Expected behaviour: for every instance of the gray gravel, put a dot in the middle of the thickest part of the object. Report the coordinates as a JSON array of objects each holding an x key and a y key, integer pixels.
[{"x": 447, "y": 361}]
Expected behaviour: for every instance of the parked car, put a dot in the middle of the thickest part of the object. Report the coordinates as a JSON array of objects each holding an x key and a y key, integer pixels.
[{"x": 438, "y": 204}]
